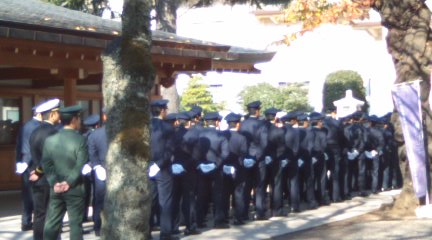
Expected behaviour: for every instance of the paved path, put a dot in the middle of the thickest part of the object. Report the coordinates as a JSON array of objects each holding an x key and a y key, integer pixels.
[{"x": 275, "y": 227}]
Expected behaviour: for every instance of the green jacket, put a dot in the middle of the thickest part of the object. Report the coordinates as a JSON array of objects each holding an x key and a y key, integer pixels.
[{"x": 64, "y": 155}]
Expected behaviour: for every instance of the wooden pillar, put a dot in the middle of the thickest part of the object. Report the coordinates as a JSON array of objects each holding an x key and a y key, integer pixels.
[{"x": 70, "y": 91}]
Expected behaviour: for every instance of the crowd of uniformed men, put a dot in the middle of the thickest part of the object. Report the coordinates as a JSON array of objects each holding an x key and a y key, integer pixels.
[
  {"x": 274, "y": 162},
  {"x": 278, "y": 163}
]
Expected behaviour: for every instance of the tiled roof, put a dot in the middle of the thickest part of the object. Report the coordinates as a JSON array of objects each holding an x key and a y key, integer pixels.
[
  {"x": 46, "y": 17},
  {"x": 55, "y": 18}
]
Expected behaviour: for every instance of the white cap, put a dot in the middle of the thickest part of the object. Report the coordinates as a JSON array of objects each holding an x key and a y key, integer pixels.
[
  {"x": 280, "y": 114},
  {"x": 48, "y": 105}
]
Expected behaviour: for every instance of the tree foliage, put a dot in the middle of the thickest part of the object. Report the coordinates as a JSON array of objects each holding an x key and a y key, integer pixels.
[
  {"x": 94, "y": 7},
  {"x": 337, "y": 83},
  {"x": 312, "y": 13},
  {"x": 197, "y": 93},
  {"x": 289, "y": 98}
]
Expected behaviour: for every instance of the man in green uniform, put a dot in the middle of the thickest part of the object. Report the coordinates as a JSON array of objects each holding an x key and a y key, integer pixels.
[{"x": 64, "y": 155}]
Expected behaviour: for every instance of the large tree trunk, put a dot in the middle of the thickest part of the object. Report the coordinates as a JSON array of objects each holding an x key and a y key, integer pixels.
[
  {"x": 127, "y": 81},
  {"x": 166, "y": 18},
  {"x": 409, "y": 43}
]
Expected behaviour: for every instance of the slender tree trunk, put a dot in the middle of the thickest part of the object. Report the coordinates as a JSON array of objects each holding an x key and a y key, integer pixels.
[
  {"x": 409, "y": 43},
  {"x": 166, "y": 18},
  {"x": 127, "y": 81}
]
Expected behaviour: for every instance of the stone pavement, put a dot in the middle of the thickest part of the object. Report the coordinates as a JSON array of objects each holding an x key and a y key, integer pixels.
[{"x": 10, "y": 219}]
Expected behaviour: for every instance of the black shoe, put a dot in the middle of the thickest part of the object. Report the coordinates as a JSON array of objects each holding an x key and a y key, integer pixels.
[
  {"x": 97, "y": 233},
  {"x": 175, "y": 232},
  {"x": 238, "y": 222},
  {"x": 325, "y": 202},
  {"x": 26, "y": 227},
  {"x": 364, "y": 194},
  {"x": 313, "y": 205},
  {"x": 188, "y": 232},
  {"x": 295, "y": 210},
  {"x": 201, "y": 225},
  {"x": 260, "y": 218},
  {"x": 221, "y": 226}
]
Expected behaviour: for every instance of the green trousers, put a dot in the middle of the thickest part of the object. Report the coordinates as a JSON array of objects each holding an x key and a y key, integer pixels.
[{"x": 58, "y": 205}]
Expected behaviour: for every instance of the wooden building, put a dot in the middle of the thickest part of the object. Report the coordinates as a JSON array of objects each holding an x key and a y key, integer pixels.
[{"x": 48, "y": 51}]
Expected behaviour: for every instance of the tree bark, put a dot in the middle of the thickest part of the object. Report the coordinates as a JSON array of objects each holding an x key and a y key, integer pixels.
[
  {"x": 166, "y": 18},
  {"x": 409, "y": 43},
  {"x": 127, "y": 80}
]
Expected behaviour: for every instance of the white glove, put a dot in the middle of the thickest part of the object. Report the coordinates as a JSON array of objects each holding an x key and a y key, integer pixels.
[
  {"x": 21, "y": 167},
  {"x": 314, "y": 160},
  {"x": 248, "y": 162},
  {"x": 86, "y": 169},
  {"x": 352, "y": 155},
  {"x": 229, "y": 170},
  {"x": 368, "y": 154},
  {"x": 356, "y": 153},
  {"x": 153, "y": 170},
  {"x": 284, "y": 163},
  {"x": 300, "y": 162},
  {"x": 268, "y": 160},
  {"x": 326, "y": 157},
  {"x": 100, "y": 172},
  {"x": 206, "y": 168},
  {"x": 374, "y": 153},
  {"x": 177, "y": 169}
]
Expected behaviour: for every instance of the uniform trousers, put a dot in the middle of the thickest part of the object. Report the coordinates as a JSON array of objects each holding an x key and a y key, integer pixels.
[
  {"x": 373, "y": 164},
  {"x": 306, "y": 181},
  {"x": 27, "y": 200},
  {"x": 210, "y": 188},
  {"x": 290, "y": 175},
  {"x": 184, "y": 192},
  {"x": 334, "y": 165},
  {"x": 73, "y": 202},
  {"x": 164, "y": 185},
  {"x": 41, "y": 194},
  {"x": 234, "y": 187},
  {"x": 320, "y": 177},
  {"x": 98, "y": 203}
]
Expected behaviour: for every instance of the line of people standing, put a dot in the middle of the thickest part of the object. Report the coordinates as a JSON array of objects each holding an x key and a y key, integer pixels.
[{"x": 306, "y": 160}]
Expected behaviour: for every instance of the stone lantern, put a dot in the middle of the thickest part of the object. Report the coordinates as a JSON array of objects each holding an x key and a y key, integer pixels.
[{"x": 348, "y": 104}]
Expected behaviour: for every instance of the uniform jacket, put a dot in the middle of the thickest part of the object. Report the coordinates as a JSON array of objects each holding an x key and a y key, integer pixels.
[
  {"x": 182, "y": 151},
  {"x": 292, "y": 142},
  {"x": 64, "y": 155},
  {"x": 237, "y": 148},
  {"x": 23, "y": 145},
  {"x": 276, "y": 147},
  {"x": 37, "y": 139},
  {"x": 256, "y": 134},
  {"x": 97, "y": 147},
  {"x": 162, "y": 143},
  {"x": 213, "y": 147}
]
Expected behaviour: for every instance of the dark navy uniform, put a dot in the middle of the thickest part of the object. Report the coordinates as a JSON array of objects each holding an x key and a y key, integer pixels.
[
  {"x": 235, "y": 181},
  {"x": 356, "y": 136},
  {"x": 185, "y": 178},
  {"x": 334, "y": 153},
  {"x": 274, "y": 154},
  {"x": 91, "y": 122},
  {"x": 291, "y": 170},
  {"x": 256, "y": 134},
  {"x": 97, "y": 150},
  {"x": 23, "y": 155},
  {"x": 213, "y": 151},
  {"x": 319, "y": 140},
  {"x": 40, "y": 188},
  {"x": 374, "y": 151},
  {"x": 162, "y": 147},
  {"x": 306, "y": 184}
]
